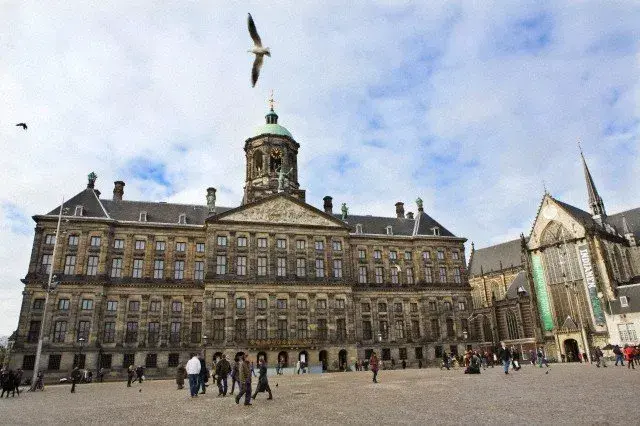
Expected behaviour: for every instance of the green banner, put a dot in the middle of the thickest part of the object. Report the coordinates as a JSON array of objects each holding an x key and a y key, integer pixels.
[
  {"x": 541, "y": 292},
  {"x": 590, "y": 279}
]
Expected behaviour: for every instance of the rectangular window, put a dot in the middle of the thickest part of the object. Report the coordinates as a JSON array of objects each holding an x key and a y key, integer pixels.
[
  {"x": 199, "y": 247},
  {"x": 362, "y": 254},
  {"x": 456, "y": 276},
  {"x": 54, "y": 362},
  {"x": 38, "y": 304},
  {"x": 282, "y": 267},
  {"x": 73, "y": 240},
  {"x": 83, "y": 330},
  {"x": 461, "y": 306},
  {"x": 92, "y": 265},
  {"x": 379, "y": 275},
  {"x": 197, "y": 308},
  {"x": 443, "y": 275},
  {"x": 222, "y": 241},
  {"x": 109, "y": 334},
  {"x": 178, "y": 271},
  {"x": 34, "y": 332},
  {"x": 450, "y": 328},
  {"x": 63, "y": 304},
  {"x": 281, "y": 243},
  {"x": 219, "y": 303},
  {"x": 627, "y": 332},
  {"x": 116, "y": 267},
  {"x": 140, "y": 244},
  {"x": 319, "y": 245},
  {"x": 28, "y": 362},
  {"x": 407, "y": 255},
  {"x": 321, "y": 304},
  {"x": 367, "y": 334},
  {"x": 435, "y": 328},
  {"x": 322, "y": 329},
  {"x": 151, "y": 361},
  {"x": 95, "y": 242},
  {"x": 337, "y": 268},
  {"x": 50, "y": 239},
  {"x": 377, "y": 254},
  {"x": 134, "y": 306},
  {"x": 118, "y": 243},
  {"x": 174, "y": 335},
  {"x": 339, "y": 303},
  {"x": 281, "y": 303},
  {"x": 261, "y": 329},
  {"x": 382, "y": 307},
  {"x": 409, "y": 275},
  {"x": 393, "y": 255},
  {"x": 433, "y": 306},
  {"x": 301, "y": 267},
  {"x": 426, "y": 255},
  {"x": 302, "y": 304},
  {"x": 87, "y": 304},
  {"x": 440, "y": 254},
  {"x": 174, "y": 360},
  {"x": 112, "y": 305},
  {"x": 196, "y": 332},
  {"x": 455, "y": 255},
  {"x": 241, "y": 265},
  {"x": 415, "y": 329},
  {"x": 176, "y": 306},
  {"x": 303, "y": 329},
  {"x": 283, "y": 331},
  {"x": 155, "y": 305},
  {"x": 158, "y": 269},
  {"x": 336, "y": 245},
  {"x": 384, "y": 329},
  {"x": 414, "y": 307},
  {"x": 128, "y": 360},
  {"x": 45, "y": 264},
  {"x": 181, "y": 247},
  {"x": 218, "y": 330},
  {"x": 418, "y": 353},
  {"x": 69, "y": 265},
  {"x": 242, "y": 241},
  {"x": 59, "y": 331},
  {"x": 198, "y": 273},
  {"x": 362, "y": 274},
  {"x": 262, "y": 266},
  {"x": 394, "y": 275},
  {"x": 365, "y": 307},
  {"x": 428, "y": 275},
  {"x": 319, "y": 268},
  {"x": 403, "y": 353},
  {"x": 161, "y": 245},
  {"x": 262, "y": 243},
  {"x": 464, "y": 324},
  {"x": 301, "y": 244},
  {"x": 397, "y": 307},
  {"x": 446, "y": 306},
  {"x": 138, "y": 268},
  {"x": 221, "y": 265},
  {"x": 261, "y": 304},
  {"x": 241, "y": 303}
]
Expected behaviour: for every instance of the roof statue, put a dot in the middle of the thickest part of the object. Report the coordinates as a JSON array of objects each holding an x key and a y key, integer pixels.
[
  {"x": 211, "y": 199},
  {"x": 281, "y": 176},
  {"x": 92, "y": 179},
  {"x": 345, "y": 211},
  {"x": 419, "y": 203}
]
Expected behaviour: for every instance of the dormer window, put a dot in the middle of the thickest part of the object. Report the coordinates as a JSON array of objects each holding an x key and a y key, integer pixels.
[
  {"x": 182, "y": 219},
  {"x": 78, "y": 211},
  {"x": 436, "y": 230},
  {"x": 624, "y": 302},
  {"x": 359, "y": 228},
  {"x": 389, "y": 230},
  {"x": 143, "y": 216}
]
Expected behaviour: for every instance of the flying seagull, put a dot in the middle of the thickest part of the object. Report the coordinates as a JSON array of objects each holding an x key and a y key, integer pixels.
[
  {"x": 257, "y": 50},
  {"x": 23, "y": 125}
]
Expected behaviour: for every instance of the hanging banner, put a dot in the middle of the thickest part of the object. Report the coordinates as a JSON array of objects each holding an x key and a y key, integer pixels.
[
  {"x": 590, "y": 280},
  {"x": 541, "y": 293}
]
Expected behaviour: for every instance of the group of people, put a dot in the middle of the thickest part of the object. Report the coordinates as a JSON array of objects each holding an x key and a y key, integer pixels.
[
  {"x": 10, "y": 382},
  {"x": 629, "y": 353},
  {"x": 241, "y": 372}
]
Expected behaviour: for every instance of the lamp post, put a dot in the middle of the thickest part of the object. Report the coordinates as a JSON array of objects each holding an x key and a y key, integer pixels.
[
  {"x": 7, "y": 355},
  {"x": 48, "y": 290},
  {"x": 205, "y": 340},
  {"x": 81, "y": 342}
]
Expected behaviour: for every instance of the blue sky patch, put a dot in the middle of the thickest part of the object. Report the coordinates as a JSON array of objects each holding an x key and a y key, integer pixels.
[{"x": 19, "y": 222}]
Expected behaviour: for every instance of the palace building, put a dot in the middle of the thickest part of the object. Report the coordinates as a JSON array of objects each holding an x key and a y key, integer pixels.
[{"x": 147, "y": 283}]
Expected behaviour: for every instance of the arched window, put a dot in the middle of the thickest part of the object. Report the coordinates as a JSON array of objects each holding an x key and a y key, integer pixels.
[
  {"x": 629, "y": 262},
  {"x": 512, "y": 326},
  {"x": 486, "y": 329},
  {"x": 258, "y": 163},
  {"x": 618, "y": 258}
]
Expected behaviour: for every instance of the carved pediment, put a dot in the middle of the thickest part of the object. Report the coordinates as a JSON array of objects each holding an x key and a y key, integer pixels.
[{"x": 280, "y": 210}]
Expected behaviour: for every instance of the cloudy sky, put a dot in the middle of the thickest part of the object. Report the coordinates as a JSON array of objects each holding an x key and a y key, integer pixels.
[{"x": 469, "y": 105}]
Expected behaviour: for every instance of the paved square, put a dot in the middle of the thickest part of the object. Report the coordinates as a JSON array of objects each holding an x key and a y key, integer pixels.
[{"x": 569, "y": 394}]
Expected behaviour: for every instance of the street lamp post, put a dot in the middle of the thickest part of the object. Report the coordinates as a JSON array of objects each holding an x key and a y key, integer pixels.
[
  {"x": 205, "y": 339},
  {"x": 81, "y": 342},
  {"x": 49, "y": 289}
]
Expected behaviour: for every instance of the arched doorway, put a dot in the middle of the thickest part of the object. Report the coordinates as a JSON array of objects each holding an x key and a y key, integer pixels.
[
  {"x": 283, "y": 359},
  {"x": 571, "y": 350},
  {"x": 217, "y": 356},
  {"x": 323, "y": 357},
  {"x": 238, "y": 356},
  {"x": 262, "y": 355},
  {"x": 342, "y": 359},
  {"x": 303, "y": 357}
]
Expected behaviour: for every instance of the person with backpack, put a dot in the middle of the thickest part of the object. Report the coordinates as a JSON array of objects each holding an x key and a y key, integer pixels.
[{"x": 618, "y": 353}]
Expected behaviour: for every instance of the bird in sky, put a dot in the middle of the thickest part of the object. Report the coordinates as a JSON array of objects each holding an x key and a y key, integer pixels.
[
  {"x": 257, "y": 50},
  {"x": 23, "y": 125}
]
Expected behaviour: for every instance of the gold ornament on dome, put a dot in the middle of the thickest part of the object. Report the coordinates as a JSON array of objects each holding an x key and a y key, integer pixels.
[{"x": 276, "y": 153}]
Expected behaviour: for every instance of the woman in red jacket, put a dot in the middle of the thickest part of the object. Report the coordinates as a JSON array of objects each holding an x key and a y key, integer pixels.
[{"x": 628, "y": 354}]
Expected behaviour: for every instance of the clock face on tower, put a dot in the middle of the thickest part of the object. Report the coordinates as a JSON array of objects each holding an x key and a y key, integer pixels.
[{"x": 276, "y": 153}]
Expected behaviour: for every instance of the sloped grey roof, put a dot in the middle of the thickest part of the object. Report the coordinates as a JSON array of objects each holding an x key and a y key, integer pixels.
[
  {"x": 633, "y": 221},
  {"x": 158, "y": 212},
  {"x": 633, "y": 298},
  {"x": 491, "y": 258},
  {"x": 519, "y": 281},
  {"x": 88, "y": 199},
  {"x": 577, "y": 213},
  {"x": 399, "y": 226}
]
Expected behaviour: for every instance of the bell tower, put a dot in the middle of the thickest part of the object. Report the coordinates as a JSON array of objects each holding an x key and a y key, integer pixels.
[{"x": 271, "y": 161}]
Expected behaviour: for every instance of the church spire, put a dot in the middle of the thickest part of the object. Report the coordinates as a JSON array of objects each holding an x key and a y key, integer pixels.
[{"x": 595, "y": 201}]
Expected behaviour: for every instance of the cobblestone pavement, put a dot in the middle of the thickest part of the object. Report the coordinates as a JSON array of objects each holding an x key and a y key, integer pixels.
[{"x": 568, "y": 394}]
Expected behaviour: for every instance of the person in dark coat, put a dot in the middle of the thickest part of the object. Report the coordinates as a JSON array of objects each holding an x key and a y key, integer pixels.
[
  {"x": 373, "y": 365},
  {"x": 181, "y": 374},
  {"x": 101, "y": 375},
  {"x": 7, "y": 380},
  {"x": 139, "y": 373},
  {"x": 76, "y": 375},
  {"x": 263, "y": 381},
  {"x": 223, "y": 368},
  {"x": 504, "y": 354},
  {"x": 203, "y": 377},
  {"x": 130, "y": 373},
  {"x": 235, "y": 375},
  {"x": 516, "y": 359}
]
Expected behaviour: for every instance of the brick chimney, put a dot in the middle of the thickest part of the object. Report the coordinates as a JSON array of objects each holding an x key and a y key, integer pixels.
[
  {"x": 410, "y": 215},
  {"x": 328, "y": 205},
  {"x": 400, "y": 210},
  {"x": 118, "y": 190}
]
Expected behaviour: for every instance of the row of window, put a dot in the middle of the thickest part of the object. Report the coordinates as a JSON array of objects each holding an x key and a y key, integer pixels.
[
  {"x": 119, "y": 243},
  {"x": 398, "y": 306},
  {"x": 408, "y": 255},
  {"x": 106, "y": 361},
  {"x": 281, "y": 267},
  {"x": 281, "y": 243},
  {"x": 436, "y": 331}
]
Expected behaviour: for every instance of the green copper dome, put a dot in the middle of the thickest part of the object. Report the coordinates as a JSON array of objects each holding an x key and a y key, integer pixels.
[{"x": 271, "y": 127}]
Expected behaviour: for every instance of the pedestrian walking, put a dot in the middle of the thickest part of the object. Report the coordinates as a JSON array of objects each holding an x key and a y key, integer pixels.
[
  {"x": 76, "y": 375},
  {"x": 542, "y": 359},
  {"x": 253, "y": 370},
  {"x": 181, "y": 374},
  {"x": 373, "y": 365},
  {"x": 245, "y": 380},
  {"x": 235, "y": 375},
  {"x": 629, "y": 354},
  {"x": 600, "y": 357},
  {"x": 139, "y": 373},
  {"x": 445, "y": 360},
  {"x": 101, "y": 374},
  {"x": 516, "y": 359},
  {"x": 505, "y": 357},
  {"x": 130, "y": 373},
  {"x": 222, "y": 371},
  {"x": 193, "y": 370},
  {"x": 619, "y": 356},
  {"x": 203, "y": 376},
  {"x": 263, "y": 381}
]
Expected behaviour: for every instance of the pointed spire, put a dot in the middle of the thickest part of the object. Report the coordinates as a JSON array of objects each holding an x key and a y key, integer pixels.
[
  {"x": 595, "y": 201},
  {"x": 272, "y": 117},
  {"x": 625, "y": 225}
]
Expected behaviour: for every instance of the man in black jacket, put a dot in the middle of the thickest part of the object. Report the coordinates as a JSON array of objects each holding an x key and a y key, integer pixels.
[
  {"x": 505, "y": 356},
  {"x": 204, "y": 375},
  {"x": 223, "y": 368},
  {"x": 76, "y": 375}
]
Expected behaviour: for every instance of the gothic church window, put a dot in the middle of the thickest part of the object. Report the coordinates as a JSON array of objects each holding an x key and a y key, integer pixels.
[{"x": 512, "y": 326}]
